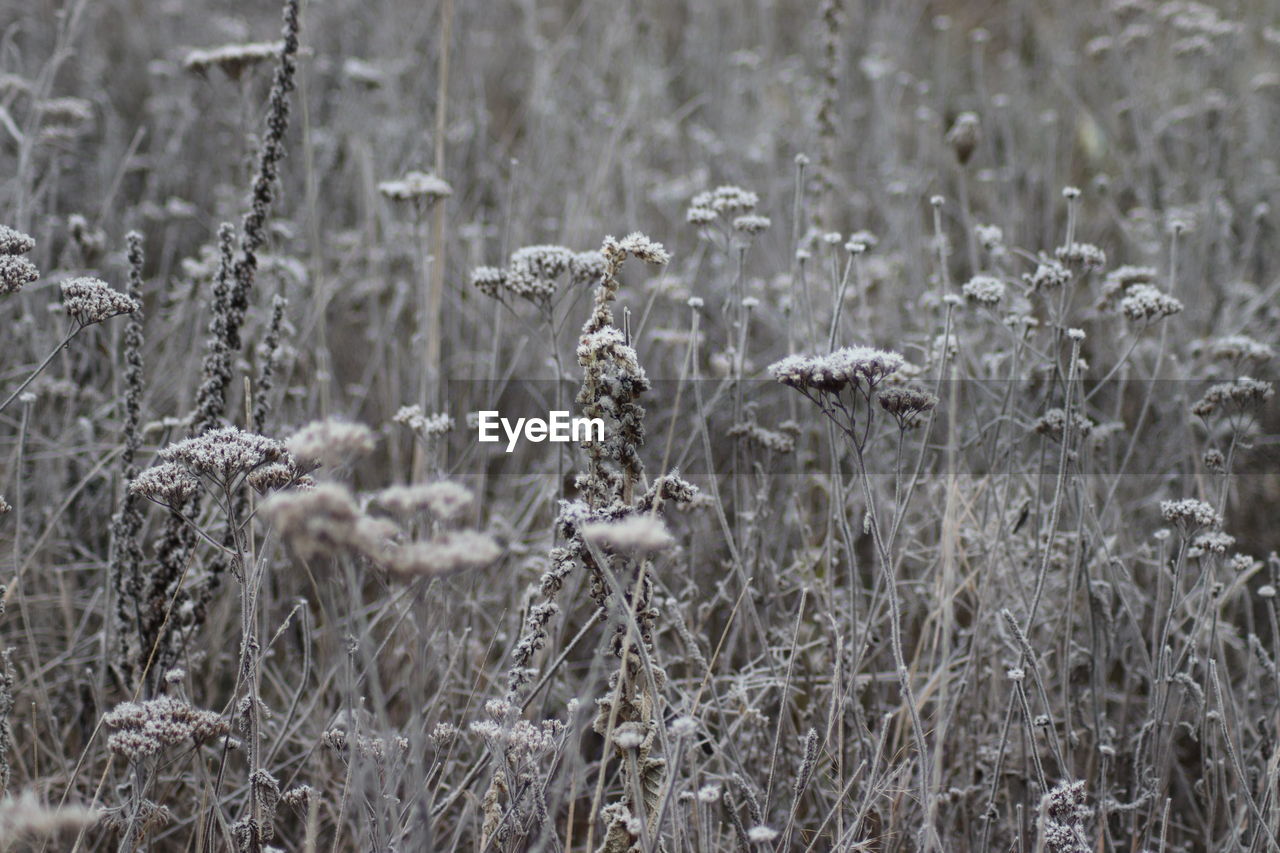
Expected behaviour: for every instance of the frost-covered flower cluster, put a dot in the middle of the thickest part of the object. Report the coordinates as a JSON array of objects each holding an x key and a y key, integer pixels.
[
  {"x": 226, "y": 453},
  {"x": 443, "y": 499},
  {"x": 168, "y": 483},
  {"x": 983, "y": 290},
  {"x": 1120, "y": 279},
  {"x": 635, "y": 534},
  {"x": 964, "y": 135},
  {"x": 1240, "y": 349},
  {"x": 232, "y": 59},
  {"x": 1053, "y": 424},
  {"x": 1190, "y": 515},
  {"x": 26, "y": 816},
  {"x": 15, "y": 270},
  {"x": 636, "y": 245},
  {"x": 1243, "y": 396},
  {"x": 1048, "y": 275},
  {"x": 862, "y": 366},
  {"x": 1066, "y": 816},
  {"x": 145, "y": 729},
  {"x": 328, "y": 521},
  {"x": 427, "y": 426},
  {"x": 1145, "y": 303},
  {"x": 707, "y": 207},
  {"x": 445, "y": 554},
  {"x": 907, "y": 404},
  {"x": 90, "y": 300},
  {"x": 417, "y": 187},
  {"x": 329, "y": 443},
  {"x": 534, "y": 273},
  {"x": 1084, "y": 256}
]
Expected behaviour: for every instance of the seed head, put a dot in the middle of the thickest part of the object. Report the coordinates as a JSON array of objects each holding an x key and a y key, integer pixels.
[
  {"x": 983, "y": 290},
  {"x": 417, "y": 187},
  {"x": 89, "y": 301},
  {"x": 14, "y": 242},
  {"x": 635, "y": 534},
  {"x": 964, "y": 136}
]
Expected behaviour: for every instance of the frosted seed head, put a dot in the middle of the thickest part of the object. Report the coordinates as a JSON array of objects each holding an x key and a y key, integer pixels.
[
  {"x": 14, "y": 242},
  {"x": 90, "y": 300},
  {"x": 635, "y": 534}
]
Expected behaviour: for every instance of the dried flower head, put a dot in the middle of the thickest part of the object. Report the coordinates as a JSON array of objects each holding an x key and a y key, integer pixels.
[
  {"x": 1190, "y": 515},
  {"x": 990, "y": 237},
  {"x": 636, "y": 245},
  {"x": 762, "y": 835},
  {"x": 635, "y": 534},
  {"x": 459, "y": 551},
  {"x": 26, "y": 816},
  {"x": 16, "y": 272},
  {"x": 907, "y": 404},
  {"x": 168, "y": 483},
  {"x": 964, "y": 136},
  {"x": 751, "y": 223},
  {"x": 1085, "y": 256},
  {"x": 232, "y": 59},
  {"x": 444, "y": 499},
  {"x": 1243, "y": 396},
  {"x": 329, "y": 443},
  {"x": 1048, "y": 275},
  {"x": 858, "y": 365},
  {"x": 1122, "y": 278},
  {"x": 145, "y": 729},
  {"x": 225, "y": 453},
  {"x": 1240, "y": 349},
  {"x": 89, "y": 301},
  {"x": 491, "y": 281},
  {"x": 1144, "y": 303},
  {"x": 14, "y": 242},
  {"x": 421, "y": 188},
  {"x": 325, "y": 521},
  {"x": 1053, "y": 423},
  {"x": 725, "y": 199},
  {"x": 983, "y": 290}
]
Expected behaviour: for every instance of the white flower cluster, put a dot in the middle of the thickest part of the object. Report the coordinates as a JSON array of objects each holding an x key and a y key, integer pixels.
[{"x": 90, "y": 300}]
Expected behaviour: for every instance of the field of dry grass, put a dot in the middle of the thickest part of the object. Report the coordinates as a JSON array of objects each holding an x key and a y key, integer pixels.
[{"x": 932, "y": 345}]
